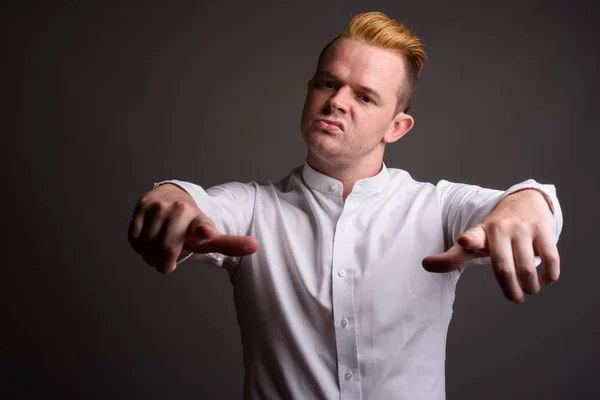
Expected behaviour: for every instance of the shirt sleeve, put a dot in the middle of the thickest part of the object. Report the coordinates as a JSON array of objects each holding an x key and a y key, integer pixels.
[
  {"x": 230, "y": 206},
  {"x": 463, "y": 206}
]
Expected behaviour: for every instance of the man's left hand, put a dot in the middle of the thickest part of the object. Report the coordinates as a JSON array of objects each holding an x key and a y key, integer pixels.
[{"x": 520, "y": 227}]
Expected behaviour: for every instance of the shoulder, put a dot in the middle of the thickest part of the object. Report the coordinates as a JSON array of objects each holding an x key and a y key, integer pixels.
[
  {"x": 400, "y": 178},
  {"x": 260, "y": 185}
]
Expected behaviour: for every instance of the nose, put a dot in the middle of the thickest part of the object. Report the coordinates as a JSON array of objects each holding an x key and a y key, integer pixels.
[{"x": 337, "y": 102}]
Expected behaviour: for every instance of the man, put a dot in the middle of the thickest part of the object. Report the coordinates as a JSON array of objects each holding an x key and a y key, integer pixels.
[{"x": 336, "y": 302}]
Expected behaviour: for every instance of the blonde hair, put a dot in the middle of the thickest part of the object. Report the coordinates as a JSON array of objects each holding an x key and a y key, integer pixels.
[{"x": 377, "y": 29}]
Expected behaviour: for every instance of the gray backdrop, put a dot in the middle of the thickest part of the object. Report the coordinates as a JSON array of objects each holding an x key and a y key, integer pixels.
[{"x": 103, "y": 100}]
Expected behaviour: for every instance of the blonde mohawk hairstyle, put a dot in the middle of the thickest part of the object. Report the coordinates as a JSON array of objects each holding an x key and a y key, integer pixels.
[{"x": 377, "y": 29}]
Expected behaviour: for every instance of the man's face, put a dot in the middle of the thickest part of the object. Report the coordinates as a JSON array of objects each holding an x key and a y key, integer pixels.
[{"x": 349, "y": 108}]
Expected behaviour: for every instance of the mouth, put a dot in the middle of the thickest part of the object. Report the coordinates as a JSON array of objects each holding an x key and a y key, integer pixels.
[{"x": 330, "y": 126}]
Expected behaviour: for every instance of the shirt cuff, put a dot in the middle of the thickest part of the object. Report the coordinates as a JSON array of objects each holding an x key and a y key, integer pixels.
[{"x": 550, "y": 192}]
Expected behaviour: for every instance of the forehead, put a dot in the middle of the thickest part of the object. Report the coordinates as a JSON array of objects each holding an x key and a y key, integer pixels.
[{"x": 363, "y": 64}]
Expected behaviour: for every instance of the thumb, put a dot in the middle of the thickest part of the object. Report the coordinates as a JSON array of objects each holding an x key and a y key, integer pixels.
[
  {"x": 449, "y": 260},
  {"x": 474, "y": 239},
  {"x": 204, "y": 237},
  {"x": 201, "y": 227}
]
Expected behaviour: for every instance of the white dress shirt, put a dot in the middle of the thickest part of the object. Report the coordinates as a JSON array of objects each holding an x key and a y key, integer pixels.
[{"x": 335, "y": 304}]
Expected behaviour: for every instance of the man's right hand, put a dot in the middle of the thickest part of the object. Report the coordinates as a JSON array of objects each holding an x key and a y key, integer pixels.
[{"x": 167, "y": 221}]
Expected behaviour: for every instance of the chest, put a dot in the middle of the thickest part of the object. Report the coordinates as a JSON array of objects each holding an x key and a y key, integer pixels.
[{"x": 368, "y": 247}]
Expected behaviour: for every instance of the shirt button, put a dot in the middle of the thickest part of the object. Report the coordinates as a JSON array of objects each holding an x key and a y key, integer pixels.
[
  {"x": 344, "y": 322},
  {"x": 343, "y": 228},
  {"x": 342, "y": 273},
  {"x": 332, "y": 187},
  {"x": 361, "y": 184},
  {"x": 348, "y": 375}
]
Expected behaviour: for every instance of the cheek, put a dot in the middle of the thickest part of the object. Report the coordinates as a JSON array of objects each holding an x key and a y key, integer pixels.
[
  {"x": 312, "y": 106},
  {"x": 307, "y": 105},
  {"x": 315, "y": 101},
  {"x": 370, "y": 126}
]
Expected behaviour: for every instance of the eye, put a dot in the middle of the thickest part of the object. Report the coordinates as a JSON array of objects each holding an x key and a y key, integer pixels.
[
  {"x": 365, "y": 98},
  {"x": 325, "y": 84}
]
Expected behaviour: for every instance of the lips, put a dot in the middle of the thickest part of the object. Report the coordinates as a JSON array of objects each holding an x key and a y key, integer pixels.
[{"x": 330, "y": 125}]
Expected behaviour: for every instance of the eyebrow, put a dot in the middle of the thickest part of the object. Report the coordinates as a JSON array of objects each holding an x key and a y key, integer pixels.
[{"x": 371, "y": 92}]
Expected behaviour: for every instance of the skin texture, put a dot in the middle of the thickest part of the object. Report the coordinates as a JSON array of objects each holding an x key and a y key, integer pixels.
[{"x": 347, "y": 120}]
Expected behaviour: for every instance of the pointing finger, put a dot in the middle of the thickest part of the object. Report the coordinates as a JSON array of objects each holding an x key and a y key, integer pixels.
[
  {"x": 450, "y": 260},
  {"x": 229, "y": 245}
]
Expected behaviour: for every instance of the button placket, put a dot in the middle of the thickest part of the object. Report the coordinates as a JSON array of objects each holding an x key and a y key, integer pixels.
[{"x": 343, "y": 304}]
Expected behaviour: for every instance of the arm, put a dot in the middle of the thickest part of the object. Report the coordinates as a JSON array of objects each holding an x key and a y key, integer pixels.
[
  {"x": 525, "y": 222},
  {"x": 168, "y": 223}
]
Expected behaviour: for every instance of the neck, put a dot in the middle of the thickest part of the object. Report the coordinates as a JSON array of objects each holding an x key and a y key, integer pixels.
[{"x": 346, "y": 171}]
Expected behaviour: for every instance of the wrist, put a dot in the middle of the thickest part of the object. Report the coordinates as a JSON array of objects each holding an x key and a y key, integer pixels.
[
  {"x": 543, "y": 195},
  {"x": 176, "y": 190}
]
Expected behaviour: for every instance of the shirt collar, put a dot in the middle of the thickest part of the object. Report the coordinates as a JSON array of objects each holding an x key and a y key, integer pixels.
[{"x": 327, "y": 184}]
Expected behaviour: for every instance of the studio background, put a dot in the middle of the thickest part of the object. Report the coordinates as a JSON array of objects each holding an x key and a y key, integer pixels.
[{"x": 102, "y": 100}]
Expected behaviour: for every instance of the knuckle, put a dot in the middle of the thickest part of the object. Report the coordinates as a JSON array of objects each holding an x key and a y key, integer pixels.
[
  {"x": 552, "y": 258},
  {"x": 170, "y": 252},
  {"x": 144, "y": 202},
  {"x": 527, "y": 272},
  {"x": 500, "y": 224},
  {"x": 176, "y": 209},
  {"x": 538, "y": 226},
  {"x": 503, "y": 271},
  {"x": 162, "y": 206},
  {"x": 183, "y": 208},
  {"x": 140, "y": 207}
]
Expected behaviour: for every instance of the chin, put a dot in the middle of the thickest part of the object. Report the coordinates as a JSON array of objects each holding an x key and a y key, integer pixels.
[{"x": 320, "y": 142}]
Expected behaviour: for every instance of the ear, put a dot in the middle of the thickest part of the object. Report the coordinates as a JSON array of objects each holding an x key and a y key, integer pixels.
[{"x": 401, "y": 124}]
